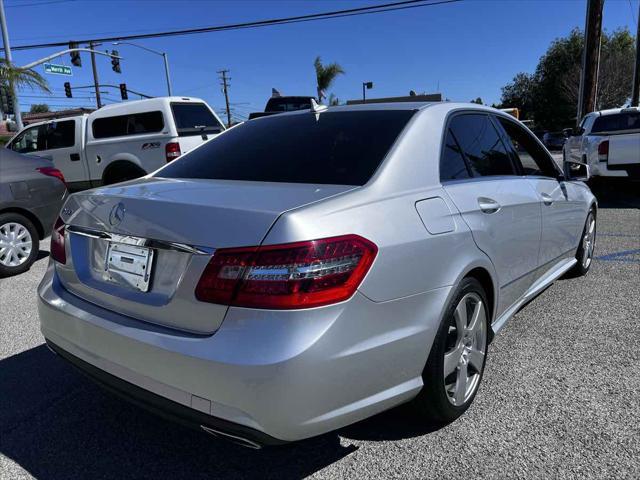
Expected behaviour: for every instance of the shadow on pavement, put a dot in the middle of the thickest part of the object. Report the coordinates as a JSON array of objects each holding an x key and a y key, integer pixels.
[
  {"x": 616, "y": 193},
  {"x": 55, "y": 424}
]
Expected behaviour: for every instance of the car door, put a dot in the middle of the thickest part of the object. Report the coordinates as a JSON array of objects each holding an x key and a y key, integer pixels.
[
  {"x": 560, "y": 201},
  {"x": 498, "y": 204}
]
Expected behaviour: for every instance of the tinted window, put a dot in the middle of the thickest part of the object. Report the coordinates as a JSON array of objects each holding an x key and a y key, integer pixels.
[
  {"x": 481, "y": 145},
  {"x": 532, "y": 157},
  {"x": 343, "y": 148},
  {"x": 134, "y": 124},
  {"x": 617, "y": 122},
  {"x": 194, "y": 119},
  {"x": 287, "y": 104},
  {"x": 452, "y": 164},
  {"x": 61, "y": 134}
]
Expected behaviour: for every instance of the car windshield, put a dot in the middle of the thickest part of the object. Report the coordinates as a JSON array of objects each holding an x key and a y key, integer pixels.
[{"x": 339, "y": 148}]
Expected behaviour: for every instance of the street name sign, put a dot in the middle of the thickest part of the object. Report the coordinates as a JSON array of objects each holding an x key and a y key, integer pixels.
[{"x": 57, "y": 69}]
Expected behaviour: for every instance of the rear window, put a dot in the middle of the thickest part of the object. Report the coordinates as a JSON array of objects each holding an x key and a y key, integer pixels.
[
  {"x": 287, "y": 104},
  {"x": 123, "y": 125},
  {"x": 617, "y": 122},
  {"x": 194, "y": 119},
  {"x": 341, "y": 148}
]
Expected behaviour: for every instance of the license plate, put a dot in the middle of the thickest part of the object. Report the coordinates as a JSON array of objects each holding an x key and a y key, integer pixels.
[{"x": 129, "y": 265}]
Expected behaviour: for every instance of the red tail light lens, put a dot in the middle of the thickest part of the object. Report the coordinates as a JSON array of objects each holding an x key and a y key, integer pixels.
[
  {"x": 603, "y": 151},
  {"x": 288, "y": 276},
  {"x": 52, "y": 172},
  {"x": 172, "y": 150},
  {"x": 58, "y": 252}
]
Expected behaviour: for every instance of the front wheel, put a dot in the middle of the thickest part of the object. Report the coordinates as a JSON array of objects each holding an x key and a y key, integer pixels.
[
  {"x": 584, "y": 254},
  {"x": 457, "y": 358},
  {"x": 19, "y": 244}
]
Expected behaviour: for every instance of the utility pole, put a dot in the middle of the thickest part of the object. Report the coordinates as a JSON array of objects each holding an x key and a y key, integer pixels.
[
  {"x": 225, "y": 87},
  {"x": 590, "y": 59},
  {"x": 7, "y": 50},
  {"x": 635, "y": 91},
  {"x": 96, "y": 82}
]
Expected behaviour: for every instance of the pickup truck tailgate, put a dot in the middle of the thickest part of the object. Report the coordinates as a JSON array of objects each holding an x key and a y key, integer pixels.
[{"x": 624, "y": 149}]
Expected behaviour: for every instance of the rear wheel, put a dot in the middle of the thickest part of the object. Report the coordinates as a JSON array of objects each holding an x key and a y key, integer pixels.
[
  {"x": 457, "y": 358},
  {"x": 19, "y": 244},
  {"x": 121, "y": 172},
  {"x": 587, "y": 246}
]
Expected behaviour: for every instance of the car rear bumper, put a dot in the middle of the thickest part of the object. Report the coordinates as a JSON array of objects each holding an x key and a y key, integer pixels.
[{"x": 264, "y": 376}]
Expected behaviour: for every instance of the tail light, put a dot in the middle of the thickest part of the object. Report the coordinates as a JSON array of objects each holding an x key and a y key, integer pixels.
[
  {"x": 58, "y": 252},
  {"x": 603, "y": 151},
  {"x": 172, "y": 150},
  {"x": 288, "y": 276},
  {"x": 52, "y": 172}
]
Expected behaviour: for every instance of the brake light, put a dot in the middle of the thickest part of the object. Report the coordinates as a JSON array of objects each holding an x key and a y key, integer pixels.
[
  {"x": 52, "y": 172},
  {"x": 603, "y": 151},
  {"x": 289, "y": 276},
  {"x": 58, "y": 252},
  {"x": 172, "y": 150}
]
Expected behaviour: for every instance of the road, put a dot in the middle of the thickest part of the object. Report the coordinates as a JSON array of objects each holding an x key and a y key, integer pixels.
[{"x": 559, "y": 398}]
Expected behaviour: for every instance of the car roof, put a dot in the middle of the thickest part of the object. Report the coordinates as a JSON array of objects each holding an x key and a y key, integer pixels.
[{"x": 137, "y": 105}]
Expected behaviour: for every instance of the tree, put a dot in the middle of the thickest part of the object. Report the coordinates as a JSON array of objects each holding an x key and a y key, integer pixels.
[
  {"x": 333, "y": 100},
  {"x": 325, "y": 75},
  {"x": 550, "y": 95},
  {"x": 39, "y": 108},
  {"x": 478, "y": 101},
  {"x": 21, "y": 77}
]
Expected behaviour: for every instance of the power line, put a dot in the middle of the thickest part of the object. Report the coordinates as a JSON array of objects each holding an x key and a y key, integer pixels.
[
  {"x": 388, "y": 7},
  {"x": 39, "y": 3}
]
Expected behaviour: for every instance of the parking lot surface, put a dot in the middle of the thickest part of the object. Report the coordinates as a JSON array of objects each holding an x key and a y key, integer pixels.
[{"x": 559, "y": 397}]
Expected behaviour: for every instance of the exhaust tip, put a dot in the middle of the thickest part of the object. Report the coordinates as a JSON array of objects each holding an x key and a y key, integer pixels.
[{"x": 244, "y": 442}]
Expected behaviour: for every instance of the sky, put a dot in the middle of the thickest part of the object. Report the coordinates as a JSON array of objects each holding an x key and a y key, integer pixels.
[{"x": 465, "y": 50}]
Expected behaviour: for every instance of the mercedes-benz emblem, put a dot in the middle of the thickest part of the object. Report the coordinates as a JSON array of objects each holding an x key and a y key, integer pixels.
[{"x": 117, "y": 214}]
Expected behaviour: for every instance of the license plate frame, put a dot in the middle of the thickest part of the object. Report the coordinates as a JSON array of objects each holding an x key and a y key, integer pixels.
[{"x": 129, "y": 265}]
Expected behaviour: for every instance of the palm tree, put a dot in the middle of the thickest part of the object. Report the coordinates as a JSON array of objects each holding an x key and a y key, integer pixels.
[
  {"x": 21, "y": 77},
  {"x": 325, "y": 75}
]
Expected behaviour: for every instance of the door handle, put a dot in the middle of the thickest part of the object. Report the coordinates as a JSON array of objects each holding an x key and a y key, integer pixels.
[
  {"x": 546, "y": 199},
  {"x": 488, "y": 205},
  {"x": 75, "y": 157}
]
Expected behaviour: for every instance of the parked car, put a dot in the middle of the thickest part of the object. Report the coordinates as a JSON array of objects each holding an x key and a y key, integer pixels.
[
  {"x": 608, "y": 141},
  {"x": 31, "y": 194},
  {"x": 554, "y": 140},
  {"x": 282, "y": 104},
  {"x": 352, "y": 259},
  {"x": 121, "y": 141}
]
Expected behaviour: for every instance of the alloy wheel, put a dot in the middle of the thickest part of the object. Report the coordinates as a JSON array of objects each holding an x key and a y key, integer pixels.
[
  {"x": 15, "y": 244},
  {"x": 466, "y": 349},
  {"x": 588, "y": 241}
]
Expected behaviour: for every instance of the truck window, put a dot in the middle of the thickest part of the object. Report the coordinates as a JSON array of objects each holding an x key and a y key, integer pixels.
[
  {"x": 124, "y": 125},
  {"x": 287, "y": 104},
  {"x": 617, "y": 122},
  {"x": 31, "y": 140},
  {"x": 61, "y": 134},
  {"x": 194, "y": 119},
  {"x": 341, "y": 148}
]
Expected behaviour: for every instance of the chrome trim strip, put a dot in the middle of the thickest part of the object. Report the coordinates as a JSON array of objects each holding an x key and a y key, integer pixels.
[{"x": 142, "y": 242}]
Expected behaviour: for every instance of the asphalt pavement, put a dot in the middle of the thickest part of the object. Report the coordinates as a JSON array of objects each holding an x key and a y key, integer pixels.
[{"x": 560, "y": 397}]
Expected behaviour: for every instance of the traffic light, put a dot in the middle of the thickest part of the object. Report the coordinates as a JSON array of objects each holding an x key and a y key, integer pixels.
[
  {"x": 123, "y": 91},
  {"x": 67, "y": 89},
  {"x": 75, "y": 56},
  {"x": 115, "y": 62},
  {"x": 6, "y": 101}
]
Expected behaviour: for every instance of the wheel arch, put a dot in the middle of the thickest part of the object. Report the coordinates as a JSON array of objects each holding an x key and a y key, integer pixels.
[
  {"x": 122, "y": 165},
  {"x": 30, "y": 216}
]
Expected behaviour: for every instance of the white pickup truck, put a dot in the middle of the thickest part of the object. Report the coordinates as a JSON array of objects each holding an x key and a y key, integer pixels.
[
  {"x": 608, "y": 141},
  {"x": 121, "y": 141}
]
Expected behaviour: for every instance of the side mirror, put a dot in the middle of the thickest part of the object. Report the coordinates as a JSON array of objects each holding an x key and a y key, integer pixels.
[
  {"x": 576, "y": 171},
  {"x": 567, "y": 132}
]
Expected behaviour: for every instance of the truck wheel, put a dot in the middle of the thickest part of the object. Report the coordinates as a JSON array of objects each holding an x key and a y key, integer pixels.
[
  {"x": 19, "y": 244},
  {"x": 121, "y": 173}
]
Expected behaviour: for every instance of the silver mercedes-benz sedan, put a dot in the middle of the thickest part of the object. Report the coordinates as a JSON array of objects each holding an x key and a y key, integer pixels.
[{"x": 304, "y": 271}]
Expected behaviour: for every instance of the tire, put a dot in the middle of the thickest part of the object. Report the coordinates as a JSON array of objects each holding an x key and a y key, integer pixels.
[
  {"x": 437, "y": 403},
  {"x": 19, "y": 244},
  {"x": 122, "y": 173},
  {"x": 584, "y": 254}
]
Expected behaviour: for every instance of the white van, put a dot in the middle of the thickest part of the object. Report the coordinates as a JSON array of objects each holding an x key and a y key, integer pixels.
[{"x": 121, "y": 141}]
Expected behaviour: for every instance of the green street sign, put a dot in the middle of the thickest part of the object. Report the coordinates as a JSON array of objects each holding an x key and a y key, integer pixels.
[{"x": 57, "y": 69}]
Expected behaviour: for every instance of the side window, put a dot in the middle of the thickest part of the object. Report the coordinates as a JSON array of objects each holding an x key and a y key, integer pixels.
[
  {"x": 61, "y": 134},
  {"x": 481, "y": 145},
  {"x": 122, "y": 125},
  {"x": 29, "y": 141},
  {"x": 452, "y": 164},
  {"x": 533, "y": 158}
]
